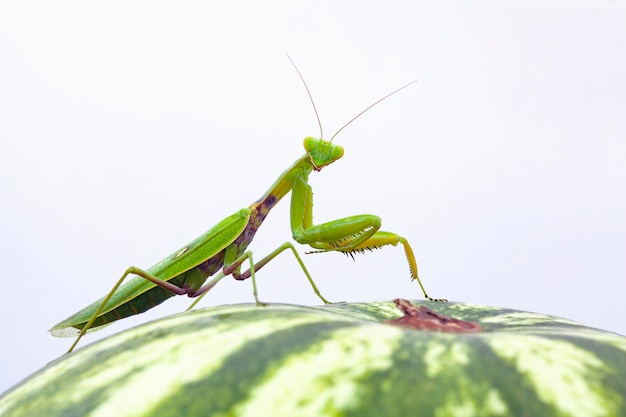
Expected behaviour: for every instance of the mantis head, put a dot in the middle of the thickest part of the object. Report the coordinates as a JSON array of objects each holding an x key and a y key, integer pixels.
[{"x": 321, "y": 152}]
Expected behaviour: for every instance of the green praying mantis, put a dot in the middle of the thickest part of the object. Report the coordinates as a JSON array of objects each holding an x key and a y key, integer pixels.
[{"x": 222, "y": 250}]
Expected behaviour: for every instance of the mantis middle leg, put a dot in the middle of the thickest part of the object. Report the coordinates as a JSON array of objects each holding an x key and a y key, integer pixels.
[{"x": 234, "y": 270}]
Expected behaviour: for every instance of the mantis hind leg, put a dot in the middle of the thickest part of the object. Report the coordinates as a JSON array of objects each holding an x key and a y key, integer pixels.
[{"x": 134, "y": 271}]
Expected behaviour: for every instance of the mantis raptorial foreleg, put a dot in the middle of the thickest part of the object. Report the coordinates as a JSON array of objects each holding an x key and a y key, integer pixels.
[{"x": 349, "y": 234}]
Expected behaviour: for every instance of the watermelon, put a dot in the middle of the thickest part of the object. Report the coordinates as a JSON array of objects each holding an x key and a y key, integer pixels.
[{"x": 356, "y": 359}]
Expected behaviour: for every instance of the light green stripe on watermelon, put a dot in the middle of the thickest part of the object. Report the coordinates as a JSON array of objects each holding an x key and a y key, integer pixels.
[
  {"x": 438, "y": 354},
  {"x": 492, "y": 404},
  {"x": 449, "y": 359},
  {"x": 527, "y": 319},
  {"x": 326, "y": 378},
  {"x": 363, "y": 311},
  {"x": 558, "y": 371}
]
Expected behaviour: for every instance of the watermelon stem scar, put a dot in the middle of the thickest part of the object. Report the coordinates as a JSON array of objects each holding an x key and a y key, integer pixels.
[{"x": 423, "y": 318}]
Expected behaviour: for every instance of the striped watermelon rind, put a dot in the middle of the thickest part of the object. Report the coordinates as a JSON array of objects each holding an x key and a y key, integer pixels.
[{"x": 336, "y": 360}]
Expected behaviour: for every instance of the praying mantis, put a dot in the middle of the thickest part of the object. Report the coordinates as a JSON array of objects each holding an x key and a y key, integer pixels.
[{"x": 222, "y": 250}]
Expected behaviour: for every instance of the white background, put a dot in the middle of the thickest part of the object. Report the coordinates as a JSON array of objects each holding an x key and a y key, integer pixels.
[{"x": 129, "y": 128}]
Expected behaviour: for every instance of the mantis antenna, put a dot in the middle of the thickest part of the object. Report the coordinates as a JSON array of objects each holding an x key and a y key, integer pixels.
[
  {"x": 372, "y": 105},
  {"x": 310, "y": 96},
  {"x": 355, "y": 117}
]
